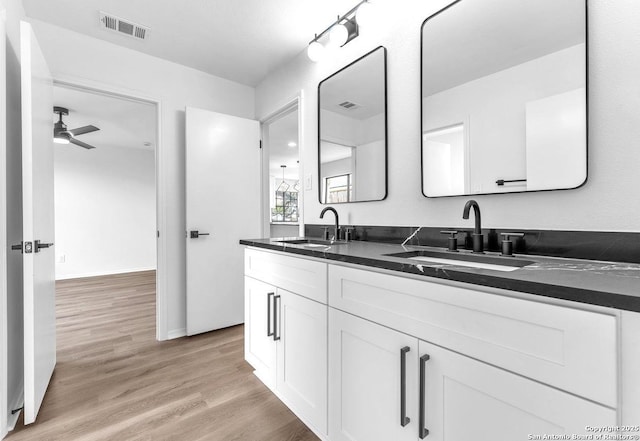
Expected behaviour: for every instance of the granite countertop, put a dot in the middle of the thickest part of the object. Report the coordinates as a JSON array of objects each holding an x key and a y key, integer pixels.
[{"x": 610, "y": 284}]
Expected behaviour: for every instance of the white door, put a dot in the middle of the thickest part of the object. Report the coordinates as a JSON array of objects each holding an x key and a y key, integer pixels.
[
  {"x": 302, "y": 356},
  {"x": 222, "y": 207},
  {"x": 38, "y": 223},
  {"x": 469, "y": 400},
  {"x": 365, "y": 381},
  {"x": 259, "y": 333}
]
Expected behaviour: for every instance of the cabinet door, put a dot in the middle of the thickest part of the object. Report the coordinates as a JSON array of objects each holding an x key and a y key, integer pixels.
[
  {"x": 259, "y": 344},
  {"x": 469, "y": 400},
  {"x": 365, "y": 391},
  {"x": 302, "y": 357}
]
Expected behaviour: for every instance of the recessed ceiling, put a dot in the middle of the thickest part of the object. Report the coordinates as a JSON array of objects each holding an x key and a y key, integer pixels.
[
  {"x": 240, "y": 40},
  {"x": 122, "y": 123}
]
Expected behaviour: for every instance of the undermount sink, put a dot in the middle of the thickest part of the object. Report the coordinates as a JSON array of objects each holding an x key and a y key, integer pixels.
[
  {"x": 312, "y": 243},
  {"x": 482, "y": 261}
]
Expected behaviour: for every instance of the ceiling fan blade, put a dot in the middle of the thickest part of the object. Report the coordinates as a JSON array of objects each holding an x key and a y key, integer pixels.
[
  {"x": 83, "y": 130},
  {"x": 81, "y": 144}
]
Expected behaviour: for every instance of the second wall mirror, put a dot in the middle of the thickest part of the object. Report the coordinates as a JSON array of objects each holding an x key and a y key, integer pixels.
[
  {"x": 504, "y": 97},
  {"x": 352, "y": 132}
]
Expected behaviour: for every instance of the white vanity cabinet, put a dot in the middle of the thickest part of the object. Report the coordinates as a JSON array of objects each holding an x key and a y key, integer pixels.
[
  {"x": 445, "y": 395},
  {"x": 286, "y": 332},
  {"x": 366, "y": 355},
  {"x": 301, "y": 367},
  {"x": 465, "y": 399},
  {"x": 448, "y": 389},
  {"x": 365, "y": 380},
  {"x": 259, "y": 343}
]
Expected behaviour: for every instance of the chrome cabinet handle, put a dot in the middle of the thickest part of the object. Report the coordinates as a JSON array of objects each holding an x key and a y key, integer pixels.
[
  {"x": 276, "y": 324},
  {"x": 404, "y": 419},
  {"x": 423, "y": 431},
  {"x": 269, "y": 331}
]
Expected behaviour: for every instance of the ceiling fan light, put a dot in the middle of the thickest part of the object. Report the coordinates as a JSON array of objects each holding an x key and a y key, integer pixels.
[{"x": 60, "y": 140}]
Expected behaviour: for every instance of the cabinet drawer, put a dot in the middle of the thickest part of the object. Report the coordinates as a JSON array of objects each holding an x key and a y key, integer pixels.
[
  {"x": 307, "y": 278},
  {"x": 570, "y": 349}
]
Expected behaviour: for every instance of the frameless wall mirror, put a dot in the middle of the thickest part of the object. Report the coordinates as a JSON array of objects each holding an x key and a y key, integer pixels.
[
  {"x": 352, "y": 132},
  {"x": 504, "y": 97}
]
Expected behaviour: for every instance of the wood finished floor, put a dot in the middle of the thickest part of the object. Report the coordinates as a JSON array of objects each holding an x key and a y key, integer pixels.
[{"x": 114, "y": 381}]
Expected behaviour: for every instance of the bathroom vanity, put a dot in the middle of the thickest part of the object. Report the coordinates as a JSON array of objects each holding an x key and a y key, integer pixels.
[{"x": 362, "y": 345}]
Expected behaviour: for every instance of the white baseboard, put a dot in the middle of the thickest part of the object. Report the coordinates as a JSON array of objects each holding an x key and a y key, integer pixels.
[
  {"x": 15, "y": 404},
  {"x": 176, "y": 333},
  {"x": 104, "y": 273}
]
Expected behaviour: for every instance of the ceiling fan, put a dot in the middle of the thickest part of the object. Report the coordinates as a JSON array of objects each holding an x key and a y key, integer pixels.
[{"x": 63, "y": 136}]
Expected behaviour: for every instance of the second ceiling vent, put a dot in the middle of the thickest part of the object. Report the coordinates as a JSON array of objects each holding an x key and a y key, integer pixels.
[{"x": 126, "y": 27}]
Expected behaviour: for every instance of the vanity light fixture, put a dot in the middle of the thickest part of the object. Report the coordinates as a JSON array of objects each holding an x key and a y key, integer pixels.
[{"x": 342, "y": 31}]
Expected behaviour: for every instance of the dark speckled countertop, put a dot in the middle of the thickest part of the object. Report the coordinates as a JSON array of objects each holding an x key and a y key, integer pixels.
[{"x": 610, "y": 284}]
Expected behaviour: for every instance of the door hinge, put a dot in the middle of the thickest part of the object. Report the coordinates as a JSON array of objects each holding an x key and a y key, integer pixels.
[
  {"x": 157, "y": 233},
  {"x": 260, "y": 144}
]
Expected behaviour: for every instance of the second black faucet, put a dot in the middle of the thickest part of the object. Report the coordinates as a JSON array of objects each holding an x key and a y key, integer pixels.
[{"x": 478, "y": 238}]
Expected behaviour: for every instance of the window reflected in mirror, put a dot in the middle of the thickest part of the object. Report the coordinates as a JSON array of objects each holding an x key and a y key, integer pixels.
[{"x": 338, "y": 189}]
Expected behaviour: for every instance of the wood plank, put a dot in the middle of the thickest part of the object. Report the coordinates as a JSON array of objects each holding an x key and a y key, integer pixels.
[{"x": 114, "y": 381}]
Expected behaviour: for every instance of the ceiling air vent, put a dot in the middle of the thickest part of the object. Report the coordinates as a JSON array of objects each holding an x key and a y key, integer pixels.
[
  {"x": 349, "y": 105},
  {"x": 126, "y": 27}
]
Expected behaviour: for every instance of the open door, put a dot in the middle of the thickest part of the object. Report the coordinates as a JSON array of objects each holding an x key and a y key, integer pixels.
[
  {"x": 222, "y": 207},
  {"x": 38, "y": 223}
]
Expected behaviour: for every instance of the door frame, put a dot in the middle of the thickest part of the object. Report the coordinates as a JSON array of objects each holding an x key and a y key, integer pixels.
[
  {"x": 89, "y": 86},
  {"x": 296, "y": 101},
  {"x": 4, "y": 398}
]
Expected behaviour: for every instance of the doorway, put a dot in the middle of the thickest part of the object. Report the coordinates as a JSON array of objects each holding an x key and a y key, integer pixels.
[
  {"x": 282, "y": 173},
  {"x": 105, "y": 186}
]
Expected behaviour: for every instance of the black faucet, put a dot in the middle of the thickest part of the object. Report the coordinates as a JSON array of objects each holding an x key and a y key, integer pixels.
[
  {"x": 478, "y": 238},
  {"x": 337, "y": 228}
]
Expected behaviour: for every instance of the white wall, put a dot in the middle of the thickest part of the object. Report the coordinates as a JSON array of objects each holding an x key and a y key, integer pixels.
[
  {"x": 339, "y": 128},
  {"x": 604, "y": 203},
  {"x": 368, "y": 180},
  {"x": 106, "y": 65},
  {"x": 105, "y": 210},
  {"x": 12, "y": 178}
]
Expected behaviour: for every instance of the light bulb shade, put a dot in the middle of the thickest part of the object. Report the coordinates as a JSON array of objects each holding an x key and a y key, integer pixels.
[
  {"x": 315, "y": 51},
  {"x": 338, "y": 34},
  {"x": 61, "y": 140},
  {"x": 342, "y": 33},
  {"x": 365, "y": 15}
]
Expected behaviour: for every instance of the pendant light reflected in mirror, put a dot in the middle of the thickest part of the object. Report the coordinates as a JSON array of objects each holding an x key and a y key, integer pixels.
[{"x": 283, "y": 185}]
